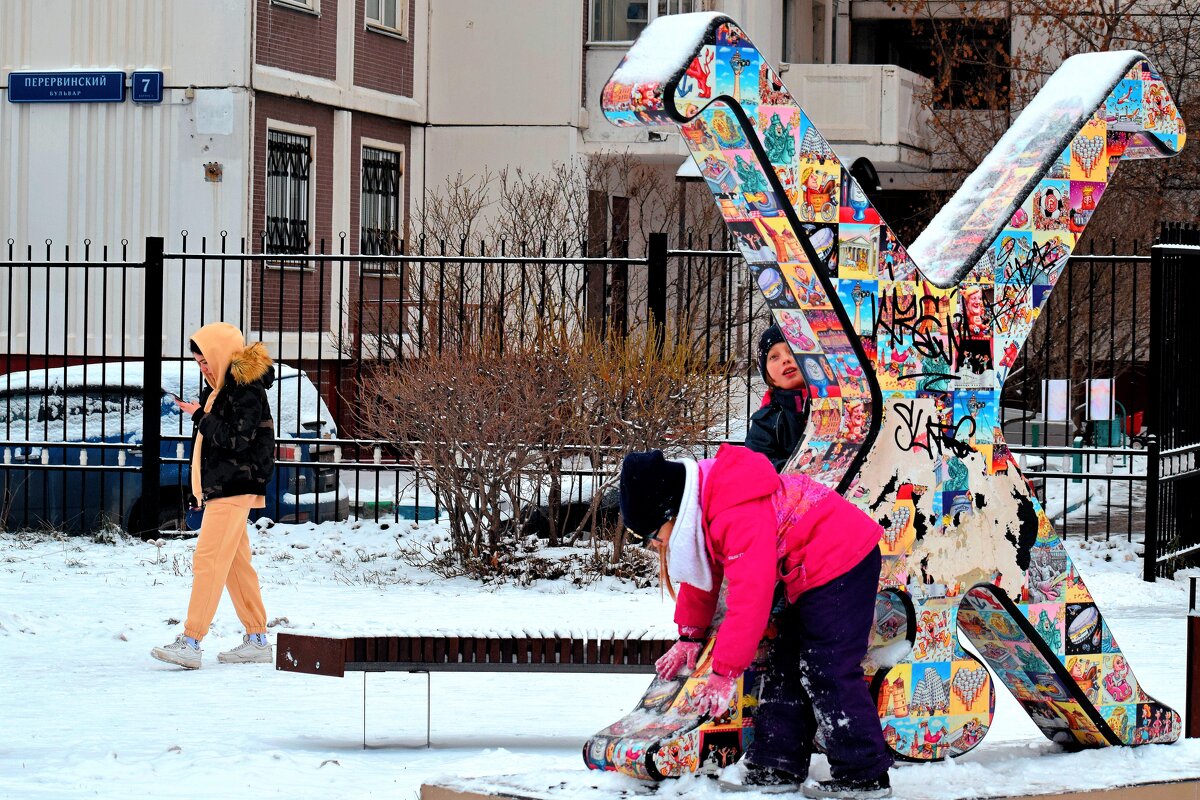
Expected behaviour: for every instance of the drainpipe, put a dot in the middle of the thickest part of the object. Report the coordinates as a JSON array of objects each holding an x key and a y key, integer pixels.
[{"x": 1191, "y": 729}]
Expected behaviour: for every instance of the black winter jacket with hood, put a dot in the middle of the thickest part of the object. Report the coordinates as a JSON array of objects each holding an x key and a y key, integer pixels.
[
  {"x": 237, "y": 453},
  {"x": 777, "y": 427}
]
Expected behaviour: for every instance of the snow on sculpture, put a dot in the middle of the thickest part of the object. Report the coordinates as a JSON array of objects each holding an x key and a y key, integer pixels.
[{"x": 906, "y": 350}]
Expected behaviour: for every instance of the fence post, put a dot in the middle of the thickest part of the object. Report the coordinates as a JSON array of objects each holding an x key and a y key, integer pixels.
[
  {"x": 596, "y": 275},
  {"x": 1150, "y": 541},
  {"x": 152, "y": 327},
  {"x": 1191, "y": 723},
  {"x": 656, "y": 285},
  {"x": 1154, "y": 369}
]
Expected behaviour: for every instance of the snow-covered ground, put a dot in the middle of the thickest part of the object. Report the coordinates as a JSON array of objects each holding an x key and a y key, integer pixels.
[{"x": 85, "y": 711}]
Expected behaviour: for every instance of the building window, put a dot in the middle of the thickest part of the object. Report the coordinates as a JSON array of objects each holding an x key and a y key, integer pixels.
[
  {"x": 289, "y": 162},
  {"x": 388, "y": 15},
  {"x": 379, "y": 204},
  {"x": 303, "y": 5},
  {"x": 624, "y": 20}
]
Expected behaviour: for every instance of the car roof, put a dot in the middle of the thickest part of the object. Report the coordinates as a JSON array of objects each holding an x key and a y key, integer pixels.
[
  {"x": 176, "y": 375},
  {"x": 293, "y": 406}
]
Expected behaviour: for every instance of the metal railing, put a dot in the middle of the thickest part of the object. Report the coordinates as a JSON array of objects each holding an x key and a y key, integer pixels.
[{"x": 336, "y": 316}]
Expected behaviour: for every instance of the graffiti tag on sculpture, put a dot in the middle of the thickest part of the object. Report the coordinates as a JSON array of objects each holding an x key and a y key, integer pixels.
[{"x": 905, "y": 350}]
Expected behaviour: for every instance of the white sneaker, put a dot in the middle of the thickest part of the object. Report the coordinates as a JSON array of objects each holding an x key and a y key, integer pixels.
[
  {"x": 180, "y": 653},
  {"x": 247, "y": 653}
]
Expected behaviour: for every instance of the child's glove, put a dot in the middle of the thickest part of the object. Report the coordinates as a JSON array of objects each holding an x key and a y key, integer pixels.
[
  {"x": 681, "y": 653},
  {"x": 714, "y": 696}
]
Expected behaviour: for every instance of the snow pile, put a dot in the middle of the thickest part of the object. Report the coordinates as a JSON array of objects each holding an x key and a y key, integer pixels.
[
  {"x": 664, "y": 48},
  {"x": 100, "y": 718}
]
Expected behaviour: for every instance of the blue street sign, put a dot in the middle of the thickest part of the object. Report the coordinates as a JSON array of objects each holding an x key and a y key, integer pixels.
[
  {"x": 146, "y": 86},
  {"x": 75, "y": 86}
]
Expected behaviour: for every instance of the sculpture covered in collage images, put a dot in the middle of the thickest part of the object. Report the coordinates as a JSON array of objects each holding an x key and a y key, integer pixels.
[{"x": 905, "y": 351}]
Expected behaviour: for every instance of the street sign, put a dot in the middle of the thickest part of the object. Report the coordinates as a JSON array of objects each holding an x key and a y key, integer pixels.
[
  {"x": 74, "y": 86},
  {"x": 146, "y": 86}
]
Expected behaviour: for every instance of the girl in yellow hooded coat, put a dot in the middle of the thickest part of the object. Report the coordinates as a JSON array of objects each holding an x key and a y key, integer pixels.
[{"x": 232, "y": 462}]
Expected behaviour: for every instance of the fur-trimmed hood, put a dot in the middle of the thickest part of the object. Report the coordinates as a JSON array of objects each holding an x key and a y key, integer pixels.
[
  {"x": 227, "y": 354},
  {"x": 251, "y": 364}
]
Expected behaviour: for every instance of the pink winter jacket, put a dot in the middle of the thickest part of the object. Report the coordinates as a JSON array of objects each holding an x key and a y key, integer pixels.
[{"x": 760, "y": 527}]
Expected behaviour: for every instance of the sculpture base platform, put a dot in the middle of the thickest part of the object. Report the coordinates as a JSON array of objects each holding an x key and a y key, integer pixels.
[{"x": 500, "y": 788}]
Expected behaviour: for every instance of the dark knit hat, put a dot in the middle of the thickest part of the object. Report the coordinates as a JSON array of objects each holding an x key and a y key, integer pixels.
[
  {"x": 770, "y": 337},
  {"x": 651, "y": 491}
]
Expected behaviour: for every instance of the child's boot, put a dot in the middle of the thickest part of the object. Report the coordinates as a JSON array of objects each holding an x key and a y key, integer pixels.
[
  {"x": 746, "y": 776},
  {"x": 254, "y": 649},
  {"x": 851, "y": 788},
  {"x": 183, "y": 652}
]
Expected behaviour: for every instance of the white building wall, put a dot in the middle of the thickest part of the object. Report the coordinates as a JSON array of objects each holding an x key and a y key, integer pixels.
[
  {"x": 471, "y": 149},
  {"x": 510, "y": 63},
  {"x": 504, "y": 87},
  {"x": 108, "y": 172}
]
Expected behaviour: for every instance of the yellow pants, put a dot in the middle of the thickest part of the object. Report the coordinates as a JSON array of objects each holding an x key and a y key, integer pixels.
[{"x": 222, "y": 560}]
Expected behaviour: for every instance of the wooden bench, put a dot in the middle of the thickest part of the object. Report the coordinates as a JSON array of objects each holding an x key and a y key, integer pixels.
[{"x": 335, "y": 656}]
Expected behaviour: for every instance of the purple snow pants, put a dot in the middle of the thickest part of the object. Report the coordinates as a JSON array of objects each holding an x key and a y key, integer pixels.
[{"x": 814, "y": 678}]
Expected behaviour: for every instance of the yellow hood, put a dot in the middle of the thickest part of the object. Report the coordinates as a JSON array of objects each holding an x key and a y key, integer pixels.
[{"x": 225, "y": 349}]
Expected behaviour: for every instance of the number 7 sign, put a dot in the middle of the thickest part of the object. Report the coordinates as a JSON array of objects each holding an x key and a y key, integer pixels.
[{"x": 146, "y": 86}]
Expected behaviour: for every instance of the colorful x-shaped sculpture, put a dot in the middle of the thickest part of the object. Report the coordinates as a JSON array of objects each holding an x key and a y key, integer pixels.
[{"x": 905, "y": 351}]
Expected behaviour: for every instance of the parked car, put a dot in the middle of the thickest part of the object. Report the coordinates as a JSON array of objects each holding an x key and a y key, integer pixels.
[{"x": 102, "y": 403}]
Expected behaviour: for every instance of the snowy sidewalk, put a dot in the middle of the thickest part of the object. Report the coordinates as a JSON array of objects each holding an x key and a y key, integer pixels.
[{"x": 86, "y": 711}]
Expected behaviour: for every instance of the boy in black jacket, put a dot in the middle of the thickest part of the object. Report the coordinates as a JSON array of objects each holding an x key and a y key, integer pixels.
[{"x": 777, "y": 427}]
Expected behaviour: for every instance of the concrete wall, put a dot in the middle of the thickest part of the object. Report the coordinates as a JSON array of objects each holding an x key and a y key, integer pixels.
[
  {"x": 108, "y": 171},
  {"x": 511, "y": 63}
]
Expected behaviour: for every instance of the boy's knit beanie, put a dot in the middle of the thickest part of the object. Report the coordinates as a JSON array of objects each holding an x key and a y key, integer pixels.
[
  {"x": 651, "y": 491},
  {"x": 770, "y": 337}
]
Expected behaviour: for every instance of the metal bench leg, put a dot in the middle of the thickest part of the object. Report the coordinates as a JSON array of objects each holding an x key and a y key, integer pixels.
[
  {"x": 428, "y": 707},
  {"x": 428, "y": 703}
]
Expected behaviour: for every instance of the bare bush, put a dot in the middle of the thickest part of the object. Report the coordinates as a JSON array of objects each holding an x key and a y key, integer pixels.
[
  {"x": 496, "y": 426},
  {"x": 639, "y": 393},
  {"x": 476, "y": 417}
]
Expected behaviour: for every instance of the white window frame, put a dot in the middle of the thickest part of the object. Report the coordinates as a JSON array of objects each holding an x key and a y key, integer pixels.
[
  {"x": 390, "y": 147},
  {"x": 282, "y": 126},
  {"x": 651, "y": 15},
  {"x": 377, "y": 24},
  {"x": 309, "y": 6}
]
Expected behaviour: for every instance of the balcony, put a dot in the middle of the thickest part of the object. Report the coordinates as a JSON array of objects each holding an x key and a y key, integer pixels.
[
  {"x": 863, "y": 110},
  {"x": 866, "y": 110}
]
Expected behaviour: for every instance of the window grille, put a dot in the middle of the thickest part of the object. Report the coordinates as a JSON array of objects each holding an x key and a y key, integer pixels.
[
  {"x": 289, "y": 159},
  {"x": 379, "y": 206}
]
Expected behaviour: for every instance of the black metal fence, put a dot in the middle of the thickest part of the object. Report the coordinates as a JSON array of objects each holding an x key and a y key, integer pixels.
[
  {"x": 1174, "y": 541},
  {"x": 90, "y": 433},
  {"x": 1076, "y": 405}
]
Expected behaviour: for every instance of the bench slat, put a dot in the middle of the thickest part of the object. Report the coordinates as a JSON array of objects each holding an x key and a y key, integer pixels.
[{"x": 528, "y": 652}]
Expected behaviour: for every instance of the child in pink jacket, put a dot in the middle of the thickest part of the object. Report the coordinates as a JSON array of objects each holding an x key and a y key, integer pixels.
[{"x": 733, "y": 519}]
